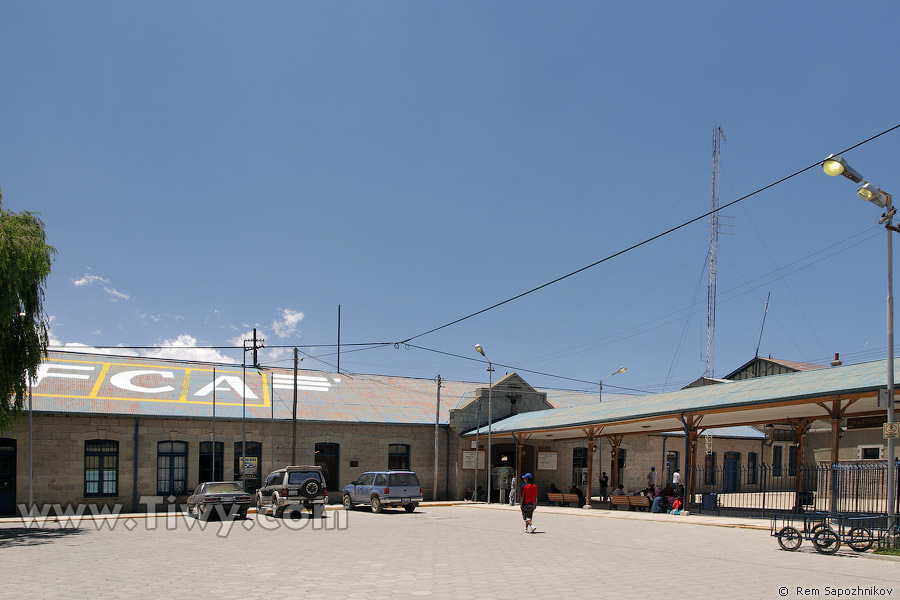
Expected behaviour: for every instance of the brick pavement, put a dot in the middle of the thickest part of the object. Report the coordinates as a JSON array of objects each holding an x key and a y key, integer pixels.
[{"x": 462, "y": 552}]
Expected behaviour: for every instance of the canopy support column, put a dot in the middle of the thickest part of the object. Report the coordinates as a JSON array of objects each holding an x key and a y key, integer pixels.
[
  {"x": 592, "y": 434},
  {"x": 800, "y": 428}
]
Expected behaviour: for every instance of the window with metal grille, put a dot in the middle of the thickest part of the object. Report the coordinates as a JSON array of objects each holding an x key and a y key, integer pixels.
[
  {"x": 171, "y": 468},
  {"x": 101, "y": 468},
  {"x": 398, "y": 457}
]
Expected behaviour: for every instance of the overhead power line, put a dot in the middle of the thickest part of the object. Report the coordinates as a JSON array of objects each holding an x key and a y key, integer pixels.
[{"x": 645, "y": 242}]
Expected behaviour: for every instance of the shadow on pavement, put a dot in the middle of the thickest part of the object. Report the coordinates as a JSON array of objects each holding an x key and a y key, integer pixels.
[{"x": 23, "y": 536}]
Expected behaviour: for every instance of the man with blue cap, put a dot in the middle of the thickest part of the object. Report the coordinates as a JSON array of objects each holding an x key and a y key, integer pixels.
[{"x": 529, "y": 501}]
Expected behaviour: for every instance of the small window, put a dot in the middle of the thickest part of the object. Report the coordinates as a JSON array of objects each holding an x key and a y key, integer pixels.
[
  {"x": 869, "y": 452},
  {"x": 398, "y": 457},
  {"x": 101, "y": 468}
]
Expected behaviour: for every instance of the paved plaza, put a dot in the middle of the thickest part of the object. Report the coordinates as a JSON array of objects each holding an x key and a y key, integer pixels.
[{"x": 456, "y": 552}]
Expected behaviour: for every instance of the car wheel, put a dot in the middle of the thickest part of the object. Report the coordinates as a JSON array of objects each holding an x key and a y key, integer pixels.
[
  {"x": 376, "y": 504},
  {"x": 348, "y": 503},
  {"x": 200, "y": 513},
  {"x": 411, "y": 506},
  {"x": 277, "y": 511}
]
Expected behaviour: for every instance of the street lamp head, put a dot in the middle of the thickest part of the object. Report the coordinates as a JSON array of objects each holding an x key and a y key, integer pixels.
[
  {"x": 870, "y": 193},
  {"x": 622, "y": 369},
  {"x": 836, "y": 165},
  {"x": 480, "y": 350}
]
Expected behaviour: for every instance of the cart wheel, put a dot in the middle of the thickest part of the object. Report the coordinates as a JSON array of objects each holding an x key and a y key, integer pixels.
[
  {"x": 789, "y": 538},
  {"x": 826, "y": 540},
  {"x": 860, "y": 539}
]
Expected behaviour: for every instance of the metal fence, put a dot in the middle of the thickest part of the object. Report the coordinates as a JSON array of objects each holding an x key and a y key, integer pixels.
[{"x": 858, "y": 487}]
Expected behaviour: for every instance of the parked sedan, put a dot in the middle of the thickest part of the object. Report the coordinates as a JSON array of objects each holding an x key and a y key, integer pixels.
[{"x": 224, "y": 498}]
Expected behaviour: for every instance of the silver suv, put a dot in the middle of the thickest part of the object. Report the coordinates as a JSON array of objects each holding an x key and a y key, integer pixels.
[
  {"x": 292, "y": 488},
  {"x": 384, "y": 488}
]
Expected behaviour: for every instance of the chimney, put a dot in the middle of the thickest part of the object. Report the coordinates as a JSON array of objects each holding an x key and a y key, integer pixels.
[{"x": 837, "y": 360}]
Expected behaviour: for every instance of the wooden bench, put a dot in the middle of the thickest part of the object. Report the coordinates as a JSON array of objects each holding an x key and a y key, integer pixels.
[
  {"x": 555, "y": 498},
  {"x": 618, "y": 501},
  {"x": 563, "y": 498},
  {"x": 639, "y": 501},
  {"x": 567, "y": 498}
]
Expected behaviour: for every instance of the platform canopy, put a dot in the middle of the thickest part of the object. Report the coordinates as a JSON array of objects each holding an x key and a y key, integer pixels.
[{"x": 836, "y": 392}]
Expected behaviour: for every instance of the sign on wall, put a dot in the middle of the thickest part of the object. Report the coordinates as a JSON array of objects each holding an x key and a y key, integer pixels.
[
  {"x": 468, "y": 461},
  {"x": 547, "y": 461}
]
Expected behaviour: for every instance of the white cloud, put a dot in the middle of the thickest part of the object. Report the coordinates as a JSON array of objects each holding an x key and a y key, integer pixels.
[
  {"x": 184, "y": 347},
  {"x": 89, "y": 279},
  {"x": 287, "y": 325}
]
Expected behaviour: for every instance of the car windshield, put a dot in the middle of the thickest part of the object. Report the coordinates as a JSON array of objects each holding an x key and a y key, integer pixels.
[
  {"x": 222, "y": 488},
  {"x": 296, "y": 477},
  {"x": 403, "y": 479}
]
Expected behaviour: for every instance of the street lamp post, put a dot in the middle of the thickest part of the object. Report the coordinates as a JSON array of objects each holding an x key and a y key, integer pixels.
[
  {"x": 836, "y": 165},
  {"x": 490, "y": 463},
  {"x": 621, "y": 369}
]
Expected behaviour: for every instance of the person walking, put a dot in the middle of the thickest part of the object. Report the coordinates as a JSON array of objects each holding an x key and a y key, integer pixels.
[
  {"x": 528, "y": 502},
  {"x": 676, "y": 479}
]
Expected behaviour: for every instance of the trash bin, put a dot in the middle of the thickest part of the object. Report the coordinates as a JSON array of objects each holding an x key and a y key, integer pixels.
[{"x": 709, "y": 501}]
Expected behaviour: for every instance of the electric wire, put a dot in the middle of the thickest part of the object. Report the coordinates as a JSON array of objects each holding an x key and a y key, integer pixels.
[{"x": 646, "y": 241}]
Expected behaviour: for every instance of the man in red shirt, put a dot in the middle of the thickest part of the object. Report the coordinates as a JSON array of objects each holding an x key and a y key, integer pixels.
[{"x": 529, "y": 501}]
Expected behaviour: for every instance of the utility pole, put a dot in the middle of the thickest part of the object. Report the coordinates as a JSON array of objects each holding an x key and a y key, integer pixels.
[
  {"x": 437, "y": 420},
  {"x": 256, "y": 345},
  {"x": 294, "y": 413}
]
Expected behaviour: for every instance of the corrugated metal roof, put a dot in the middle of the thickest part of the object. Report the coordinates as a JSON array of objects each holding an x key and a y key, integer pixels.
[
  {"x": 741, "y": 431},
  {"x": 101, "y": 384},
  {"x": 845, "y": 380}
]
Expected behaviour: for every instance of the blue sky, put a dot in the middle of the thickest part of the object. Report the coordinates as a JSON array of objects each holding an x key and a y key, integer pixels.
[{"x": 204, "y": 168}]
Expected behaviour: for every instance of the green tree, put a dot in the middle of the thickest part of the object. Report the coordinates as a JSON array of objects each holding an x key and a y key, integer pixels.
[{"x": 25, "y": 259}]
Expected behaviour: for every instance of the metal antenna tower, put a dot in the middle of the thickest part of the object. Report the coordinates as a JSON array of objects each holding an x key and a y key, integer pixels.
[{"x": 718, "y": 138}]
